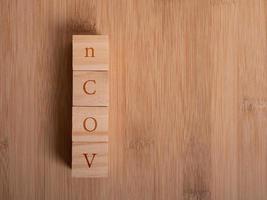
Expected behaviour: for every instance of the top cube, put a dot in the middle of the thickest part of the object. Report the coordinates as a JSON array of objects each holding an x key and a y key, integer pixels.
[{"x": 90, "y": 52}]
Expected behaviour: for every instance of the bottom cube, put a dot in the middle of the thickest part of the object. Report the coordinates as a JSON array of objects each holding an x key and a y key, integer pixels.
[{"x": 90, "y": 159}]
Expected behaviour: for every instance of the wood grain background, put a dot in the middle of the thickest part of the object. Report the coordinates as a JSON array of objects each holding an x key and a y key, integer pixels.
[{"x": 188, "y": 99}]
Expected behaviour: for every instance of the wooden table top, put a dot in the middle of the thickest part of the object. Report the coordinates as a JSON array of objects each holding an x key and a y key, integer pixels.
[{"x": 188, "y": 99}]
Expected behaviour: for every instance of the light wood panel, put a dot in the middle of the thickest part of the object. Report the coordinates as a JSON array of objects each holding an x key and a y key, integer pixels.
[{"x": 187, "y": 99}]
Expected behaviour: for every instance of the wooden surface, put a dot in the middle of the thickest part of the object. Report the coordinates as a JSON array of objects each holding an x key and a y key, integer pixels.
[{"x": 188, "y": 99}]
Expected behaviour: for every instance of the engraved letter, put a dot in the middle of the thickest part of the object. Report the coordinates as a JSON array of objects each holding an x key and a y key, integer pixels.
[
  {"x": 87, "y": 160},
  {"x": 87, "y": 54},
  {"x": 85, "y": 127},
  {"x": 84, "y": 87}
]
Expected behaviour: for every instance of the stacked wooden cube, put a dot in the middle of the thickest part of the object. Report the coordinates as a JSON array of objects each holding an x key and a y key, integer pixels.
[{"x": 90, "y": 106}]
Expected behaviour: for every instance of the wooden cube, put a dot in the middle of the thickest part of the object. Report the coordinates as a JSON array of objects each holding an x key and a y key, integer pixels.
[
  {"x": 90, "y": 159},
  {"x": 90, "y": 52},
  {"x": 89, "y": 124},
  {"x": 90, "y": 88}
]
